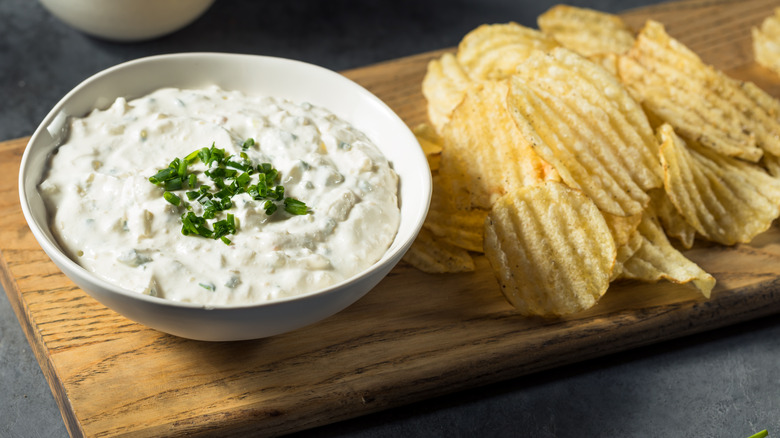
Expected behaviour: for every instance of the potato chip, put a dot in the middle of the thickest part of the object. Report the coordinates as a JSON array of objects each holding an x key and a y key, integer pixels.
[
  {"x": 484, "y": 153},
  {"x": 725, "y": 199},
  {"x": 759, "y": 97},
  {"x": 772, "y": 164},
  {"x": 609, "y": 61},
  {"x": 766, "y": 42},
  {"x": 622, "y": 227},
  {"x": 444, "y": 86},
  {"x": 581, "y": 120},
  {"x": 595, "y": 93},
  {"x": 586, "y": 31},
  {"x": 492, "y": 52},
  {"x": 657, "y": 259},
  {"x": 431, "y": 144},
  {"x": 429, "y": 254},
  {"x": 701, "y": 103},
  {"x": 463, "y": 228},
  {"x": 624, "y": 253},
  {"x": 671, "y": 220},
  {"x": 550, "y": 249}
]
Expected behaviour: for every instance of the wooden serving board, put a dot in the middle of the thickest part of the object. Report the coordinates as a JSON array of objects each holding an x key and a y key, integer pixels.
[{"x": 413, "y": 337}]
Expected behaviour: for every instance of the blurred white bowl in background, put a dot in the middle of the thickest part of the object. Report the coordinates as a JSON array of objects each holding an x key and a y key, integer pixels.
[{"x": 127, "y": 20}]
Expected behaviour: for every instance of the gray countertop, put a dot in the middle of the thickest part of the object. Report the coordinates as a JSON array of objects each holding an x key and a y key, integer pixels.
[{"x": 723, "y": 383}]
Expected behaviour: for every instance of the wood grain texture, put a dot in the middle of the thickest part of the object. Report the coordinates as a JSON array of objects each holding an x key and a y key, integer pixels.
[{"x": 413, "y": 337}]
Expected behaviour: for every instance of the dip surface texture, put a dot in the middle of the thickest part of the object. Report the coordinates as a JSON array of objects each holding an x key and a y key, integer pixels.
[{"x": 114, "y": 222}]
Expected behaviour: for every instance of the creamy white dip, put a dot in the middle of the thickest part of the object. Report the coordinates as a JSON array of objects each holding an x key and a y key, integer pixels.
[{"x": 114, "y": 222}]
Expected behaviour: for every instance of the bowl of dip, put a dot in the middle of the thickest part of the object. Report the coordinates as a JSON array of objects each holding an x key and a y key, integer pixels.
[
  {"x": 221, "y": 196},
  {"x": 127, "y": 20}
]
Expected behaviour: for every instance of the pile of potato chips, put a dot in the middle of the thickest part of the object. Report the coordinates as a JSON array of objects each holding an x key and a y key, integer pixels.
[{"x": 571, "y": 155}]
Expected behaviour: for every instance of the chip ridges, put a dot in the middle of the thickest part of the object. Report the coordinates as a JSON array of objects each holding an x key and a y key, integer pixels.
[
  {"x": 701, "y": 103},
  {"x": 550, "y": 248},
  {"x": 586, "y": 31},
  {"x": 485, "y": 155},
  {"x": 444, "y": 85},
  {"x": 725, "y": 199},
  {"x": 657, "y": 259},
  {"x": 573, "y": 146},
  {"x": 434, "y": 256},
  {"x": 492, "y": 52}
]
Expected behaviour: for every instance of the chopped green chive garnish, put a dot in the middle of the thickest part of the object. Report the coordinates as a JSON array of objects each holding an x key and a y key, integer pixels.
[
  {"x": 208, "y": 286},
  {"x": 270, "y": 207},
  {"x": 163, "y": 175},
  {"x": 230, "y": 177},
  {"x": 173, "y": 184},
  {"x": 294, "y": 206},
  {"x": 172, "y": 198}
]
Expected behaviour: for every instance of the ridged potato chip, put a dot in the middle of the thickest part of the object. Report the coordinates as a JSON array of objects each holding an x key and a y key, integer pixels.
[
  {"x": 550, "y": 249},
  {"x": 592, "y": 91},
  {"x": 624, "y": 253},
  {"x": 772, "y": 164},
  {"x": 579, "y": 118},
  {"x": 493, "y": 51},
  {"x": 725, "y": 199},
  {"x": 444, "y": 85},
  {"x": 430, "y": 142},
  {"x": 586, "y": 31},
  {"x": 485, "y": 155},
  {"x": 759, "y": 97},
  {"x": 432, "y": 255},
  {"x": 701, "y": 103},
  {"x": 766, "y": 42},
  {"x": 671, "y": 220},
  {"x": 463, "y": 228},
  {"x": 657, "y": 259},
  {"x": 622, "y": 227}
]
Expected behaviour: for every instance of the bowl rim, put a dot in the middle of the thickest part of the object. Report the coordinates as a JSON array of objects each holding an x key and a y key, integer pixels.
[{"x": 58, "y": 256}]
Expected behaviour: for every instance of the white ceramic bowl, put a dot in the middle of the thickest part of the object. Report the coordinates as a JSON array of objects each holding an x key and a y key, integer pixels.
[
  {"x": 293, "y": 80},
  {"x": 127, "y": 20}
]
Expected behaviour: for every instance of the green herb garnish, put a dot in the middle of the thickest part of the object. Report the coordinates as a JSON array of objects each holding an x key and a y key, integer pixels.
[
  {"x": 294, "y": 206},
  {"x": 230, "y": 177},
  {"x": 172, "y": 198}
]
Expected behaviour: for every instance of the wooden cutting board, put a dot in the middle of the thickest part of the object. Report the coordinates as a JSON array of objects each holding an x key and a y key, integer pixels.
[{"x": 413, "y": 337}]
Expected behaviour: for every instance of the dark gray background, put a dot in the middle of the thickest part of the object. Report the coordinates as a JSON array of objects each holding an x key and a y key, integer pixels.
[{"x": 724, "y": 383}]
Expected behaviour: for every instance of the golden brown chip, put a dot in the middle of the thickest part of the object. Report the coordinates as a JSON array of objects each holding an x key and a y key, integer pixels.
[
  {"x": 492, "y": 52},
  {"x": 579, "y": 118},
  {"x": 550, "y": 249},
  {"x": 591, "y": 91},
  {"x": 766, "y": 42},
  {"x": 444, "y": 86},
  {"x": 622, "y": 227},
  {"x": 586, "y": 31},
  {"x": 772, "y": 164},
  {"x": 463, "y": 228},
  {"x": 673, "y": 223},
  {"x": 625, "y": 252},
  {"x": 701, "y": 103},
  {"x": 657, "y": 259},
  {"x": 725, "y": 199},
  {"x": 430, "y": 254},
  {"x": 484, "y": 153},
  {"x": 609, "y": 61},
  {"x": 430, "y": 142}
]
